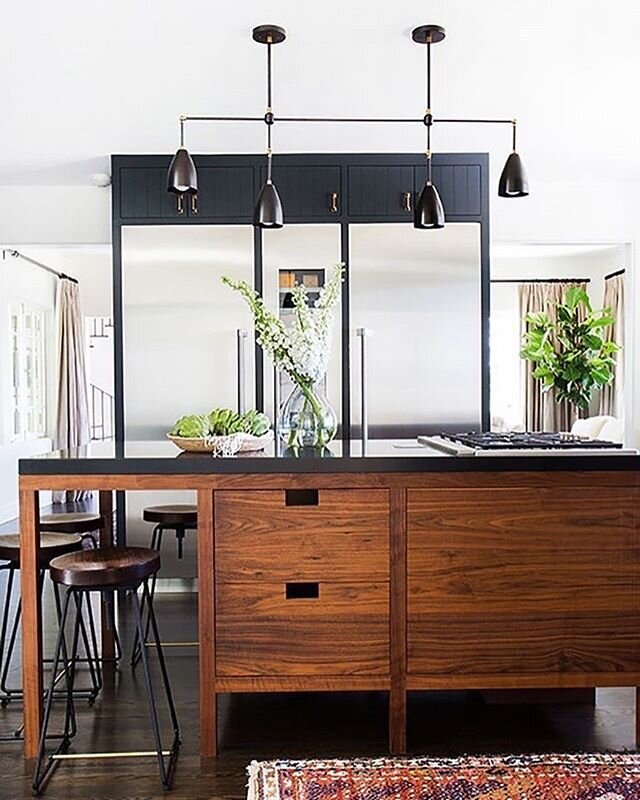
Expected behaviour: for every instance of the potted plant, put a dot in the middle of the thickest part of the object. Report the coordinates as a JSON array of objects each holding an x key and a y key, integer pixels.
[{"x": 569, "y": 348}]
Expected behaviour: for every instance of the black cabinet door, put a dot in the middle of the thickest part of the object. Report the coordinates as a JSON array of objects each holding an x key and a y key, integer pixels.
[
  {"x": 381, "y": 191},
  {"x": 307, "y": 192},
  {"x": 224, "y": 193},
  {"x": 144, "y": 195},
  {"x": 458, "y": 186}
]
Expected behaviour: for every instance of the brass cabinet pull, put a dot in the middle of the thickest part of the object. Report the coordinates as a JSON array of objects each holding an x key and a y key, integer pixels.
[
  {"x": 194, "y": 203},
  {"x": 180, "y": 204},
  {"x": 333, "y": 202},
  {"x": 406, "y": 201}
]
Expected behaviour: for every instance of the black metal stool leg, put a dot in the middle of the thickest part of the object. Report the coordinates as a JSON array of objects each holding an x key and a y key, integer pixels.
[
  {"x": 156, "y": 544},
  {"x": 5, "y": 654},
  {"x": 41, "y": 773},
  {"x": 166, "y": 769}
]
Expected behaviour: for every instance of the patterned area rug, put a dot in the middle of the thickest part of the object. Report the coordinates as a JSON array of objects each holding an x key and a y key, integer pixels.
[{"x": 552, "y": 777}]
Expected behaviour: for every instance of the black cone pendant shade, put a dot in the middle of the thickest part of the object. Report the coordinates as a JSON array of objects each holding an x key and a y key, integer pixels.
[
  {"x": 429, "y": 212},
  {"x": 513, "y": 181},
  {"x": 182, "y": 176},
  {"x": 268, "y": 210}
]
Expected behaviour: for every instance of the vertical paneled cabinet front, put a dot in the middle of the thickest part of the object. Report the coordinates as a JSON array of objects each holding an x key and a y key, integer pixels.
[
  {"x": 144, "y": 195},
  {"x": 302, "y": 582},
  {"x": 224, "y": 192},
  {"x": 308, "y": 192}
]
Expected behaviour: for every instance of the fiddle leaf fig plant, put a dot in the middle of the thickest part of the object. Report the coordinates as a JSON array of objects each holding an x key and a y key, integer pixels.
[{"x": 569, "y": 347}]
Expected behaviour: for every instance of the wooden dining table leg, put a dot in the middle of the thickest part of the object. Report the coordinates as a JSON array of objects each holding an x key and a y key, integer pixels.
[
  {"x": 106, "y": 540},
  {"x": 206, "y": 624},
  {"x": 31, "y": 620}
]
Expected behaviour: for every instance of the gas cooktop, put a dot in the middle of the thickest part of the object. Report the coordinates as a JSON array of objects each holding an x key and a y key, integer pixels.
[
  {"x": 530, "y": 441},
  {"x": 473, "y": 443}
]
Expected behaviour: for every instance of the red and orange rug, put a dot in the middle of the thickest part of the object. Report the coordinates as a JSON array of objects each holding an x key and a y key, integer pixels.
[{"x": 551, "y": 777}]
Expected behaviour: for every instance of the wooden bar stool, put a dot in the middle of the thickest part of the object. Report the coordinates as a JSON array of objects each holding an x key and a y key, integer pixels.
[
  {"x": 179, "y": 518},
  {"x": 109, "y": 569},
  {"x": 52, "y": 545},
  {"x": 81, "y": 522}
]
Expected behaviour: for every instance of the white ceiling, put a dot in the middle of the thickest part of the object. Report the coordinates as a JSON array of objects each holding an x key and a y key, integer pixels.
[{"x": 83, "y": 80}]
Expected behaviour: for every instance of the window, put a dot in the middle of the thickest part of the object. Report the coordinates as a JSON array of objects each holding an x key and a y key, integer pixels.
[{"x": 28, "y": 398}]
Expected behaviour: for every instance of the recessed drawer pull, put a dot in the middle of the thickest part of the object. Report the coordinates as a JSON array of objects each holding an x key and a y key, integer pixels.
[
  {"x": 301, "y": 497},
  {"x": 302, "y": 591}
]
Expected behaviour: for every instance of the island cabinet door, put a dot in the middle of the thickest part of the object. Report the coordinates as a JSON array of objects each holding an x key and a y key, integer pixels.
[
  {"x": 523, "y": 587},
  {"x": 302, "y": 582}
]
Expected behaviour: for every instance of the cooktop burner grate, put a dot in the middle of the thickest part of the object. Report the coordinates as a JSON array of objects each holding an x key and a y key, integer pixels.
[{"x": 531, "y": 441}]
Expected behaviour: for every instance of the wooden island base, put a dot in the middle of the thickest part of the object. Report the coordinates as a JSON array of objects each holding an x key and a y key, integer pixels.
[{"x": 394, "y": 581}]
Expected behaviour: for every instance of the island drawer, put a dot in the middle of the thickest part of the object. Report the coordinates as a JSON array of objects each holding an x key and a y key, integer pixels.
[
  {"x": 281, "y": 535},
  {"x": 302, "y": 628}
]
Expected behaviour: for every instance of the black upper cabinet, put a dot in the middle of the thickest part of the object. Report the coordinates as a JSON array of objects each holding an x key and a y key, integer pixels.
[
  {"x": 458, "y": 186},
  {"x": 307, "y": 192},
  {"x": 313, "y": 188},
  {"x": 224, "y": 193},
  {"x": 144, "y": 195},
  {"x": 381, "y": 191}
]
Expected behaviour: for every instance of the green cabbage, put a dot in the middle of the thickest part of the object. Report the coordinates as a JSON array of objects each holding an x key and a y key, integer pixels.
[{"x": 191, "y": 426}]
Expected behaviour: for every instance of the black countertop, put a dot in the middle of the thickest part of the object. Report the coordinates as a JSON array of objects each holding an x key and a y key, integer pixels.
[{"x": 162, "y": 457}]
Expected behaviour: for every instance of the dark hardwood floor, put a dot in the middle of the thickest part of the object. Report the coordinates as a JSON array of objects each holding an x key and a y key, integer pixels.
[{"x": 293, "y": 725}]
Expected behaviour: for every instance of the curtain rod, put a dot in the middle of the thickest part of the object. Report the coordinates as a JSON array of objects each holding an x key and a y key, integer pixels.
[
  {"x": 61, "y": 275},
  {"x": 614, "y": 274},
  {"x": 540, "y": 280}
]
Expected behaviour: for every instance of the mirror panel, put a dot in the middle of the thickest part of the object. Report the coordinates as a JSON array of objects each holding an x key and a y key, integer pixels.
[
  {"x": 180, "y": 344},
  {"x": 418, "y": 294}
]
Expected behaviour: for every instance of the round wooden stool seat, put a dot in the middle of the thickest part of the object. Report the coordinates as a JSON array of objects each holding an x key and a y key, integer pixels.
[
  {"x": 110, "y": 566},
  {"x": 178, "y": 514},
  {"x": 73, "y": 522},
  {"x": 51, "y": 546}
]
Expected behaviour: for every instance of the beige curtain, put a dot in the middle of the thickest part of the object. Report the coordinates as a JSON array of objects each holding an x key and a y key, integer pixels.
[
  {"x": 611, "y": 402},
  {"x": 542, "y": 412},
  {"x": 72, "y": 417}
]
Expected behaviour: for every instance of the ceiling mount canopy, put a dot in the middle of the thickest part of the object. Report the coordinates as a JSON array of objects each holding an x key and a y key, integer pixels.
[{"x": 429, "y": 212}]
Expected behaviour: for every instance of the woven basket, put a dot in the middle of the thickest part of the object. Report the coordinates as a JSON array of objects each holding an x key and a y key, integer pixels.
[{"x": 248, "y": 444}]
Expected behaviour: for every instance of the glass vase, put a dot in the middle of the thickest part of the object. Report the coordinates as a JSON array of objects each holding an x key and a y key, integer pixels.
[{"x": 306, "y": 418}]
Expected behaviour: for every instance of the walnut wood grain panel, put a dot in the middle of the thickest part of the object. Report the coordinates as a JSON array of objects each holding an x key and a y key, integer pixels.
[
  {"x": 32, "y": 683},
  {"x": 362, "y": 479},
  {"x": 303, "y": 683},
  {"x": 523, "y": 680},
  {"x": 344, "y": 537},
  {"x": 526, "y": 550},
  {"x": 523, "y": 581},
  {"x": 206, "y": 625},
  {"x": 473, "y": 644},
  {"x": 345, "y": 631}
]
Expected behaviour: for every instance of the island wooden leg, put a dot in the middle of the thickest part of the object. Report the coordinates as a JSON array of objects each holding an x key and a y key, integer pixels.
[
  {"x": 398, "y": 626},
  {"x": 31, "y": 620},
  {"x": 637, "y": 726},
  {"x": 106, "y": 540},
  {"x": 206, "y": 624}
]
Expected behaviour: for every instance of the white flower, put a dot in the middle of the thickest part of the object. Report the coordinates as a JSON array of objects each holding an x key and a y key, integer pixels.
[{"x": 302, "y": 350}]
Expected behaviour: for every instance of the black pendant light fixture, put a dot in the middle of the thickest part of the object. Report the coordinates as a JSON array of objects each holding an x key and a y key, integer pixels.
[
  {"x": 182, "y": 178},
  {"x": 513, "y": 180},
  {"x": 268, "y": 209},
  {"x": 429, "y": 212}
]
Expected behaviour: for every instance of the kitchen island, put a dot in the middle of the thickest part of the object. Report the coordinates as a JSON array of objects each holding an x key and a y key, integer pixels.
[{"x": 402, "y": 569}]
